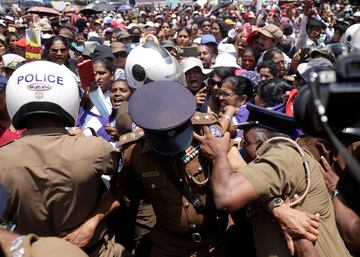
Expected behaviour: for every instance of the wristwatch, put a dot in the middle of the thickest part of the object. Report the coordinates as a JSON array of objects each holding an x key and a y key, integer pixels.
[
  {"x": 276, "y": 202},
  {"x": 334, "y": 194}
]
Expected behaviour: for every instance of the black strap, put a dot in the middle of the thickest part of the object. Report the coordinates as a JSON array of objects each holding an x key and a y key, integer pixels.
[{"x": 180, "y": 185}]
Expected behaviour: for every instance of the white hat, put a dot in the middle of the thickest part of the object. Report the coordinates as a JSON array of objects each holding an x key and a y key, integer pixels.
[
  {"x": 192, "y": 62},
  {"x": 227, "y": 48},
  {"x": 11, "y": 58},
  {"x": 150, "y": 24},
  {"x": 131, "y": 25},
  {"x": 226, "y": 60}
]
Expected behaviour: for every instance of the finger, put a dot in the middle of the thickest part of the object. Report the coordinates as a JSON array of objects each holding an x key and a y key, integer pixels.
[
  {"x": 313, "y": 231},
  {"x": 311, "y": 237},
  {"x": 323, "y": 172},
  {"x": 198, "y": 138},
  {"x": 289, "y": 243},
  {"x": 315, "y": 224},
  {"x": 202, "y": 90},
  {"x": 286, "y": 200},
  {"x": 226, "y": 136},
  {"x": 207, "y": 131},
  {"x": 326, "y": 165}
]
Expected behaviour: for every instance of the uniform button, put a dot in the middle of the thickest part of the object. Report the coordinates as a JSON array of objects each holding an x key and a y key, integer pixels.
[
  {"x": 187, "y": 205},
  {"x": 153, "y": 186},
  {"x": 193, "y": 226}
]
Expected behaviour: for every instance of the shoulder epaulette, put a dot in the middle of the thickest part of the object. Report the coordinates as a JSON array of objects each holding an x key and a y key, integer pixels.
[
  {"x": 200, "y": 118},
  {"x": 131, "y": 137}
]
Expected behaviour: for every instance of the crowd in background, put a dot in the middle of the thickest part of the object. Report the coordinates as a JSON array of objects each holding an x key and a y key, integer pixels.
[{"x": 229, "y": 55}]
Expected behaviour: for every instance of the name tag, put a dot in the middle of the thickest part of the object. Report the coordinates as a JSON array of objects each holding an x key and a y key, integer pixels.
[{"x": 150, "y": 174}]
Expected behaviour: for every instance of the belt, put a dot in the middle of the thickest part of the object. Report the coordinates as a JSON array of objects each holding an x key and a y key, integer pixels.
[{"x": 201, "y": 236}]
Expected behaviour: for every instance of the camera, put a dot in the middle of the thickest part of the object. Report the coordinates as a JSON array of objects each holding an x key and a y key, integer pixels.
[
  {"x": 188, "y": 51},
  {"x": 339, "y": 92},
  {"x": 317, "y": 3}
]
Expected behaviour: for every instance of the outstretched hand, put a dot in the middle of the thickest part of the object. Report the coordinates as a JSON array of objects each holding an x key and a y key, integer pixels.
[{"x": 212, "y": 146}]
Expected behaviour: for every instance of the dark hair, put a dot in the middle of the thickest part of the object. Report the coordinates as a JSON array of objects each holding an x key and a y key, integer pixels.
[
  {"x": 107, "y": 63},
  {"x": 242, "y": 86},
  {"x": 251, "y": 50},
  {"x": 8, "y": 37},
  {"x": 3, "y": 43},
  {"x": 313, "y": 24},
  {"x": 183, "y": 28},
  {"x": 122, "y": 80},
  {"x": 269, "y": 54},
  {"x": 224, "y": 29},
  {"x": 272, "y": 91},
  {"x": 53, "y": 39},
  {"x": 285, "y": 47},
  {"x": 223, "y": 72},
  {"x": 288, "y": 29},
  {"x": 271, "y": 66},
  {"x": 248, "y": 49},
  {"x": 212, "y": 48},
  {"x": 159, "y": 29},
  {"x": 341, "y": 27},
  {"x": 206, "y": 19}
]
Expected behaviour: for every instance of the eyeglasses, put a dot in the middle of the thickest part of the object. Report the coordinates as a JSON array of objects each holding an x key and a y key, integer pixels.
[
  {"x": 213, "y": 83},
  {"x": 225, "y": 94}
]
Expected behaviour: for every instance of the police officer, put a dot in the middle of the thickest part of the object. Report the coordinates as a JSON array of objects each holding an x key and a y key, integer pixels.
[
  {"x": 275, "y": 170},
  {"x": 12, "y": 244},
  {"x": 165, "y": 161},
  {"x": 52, "y": 178}
]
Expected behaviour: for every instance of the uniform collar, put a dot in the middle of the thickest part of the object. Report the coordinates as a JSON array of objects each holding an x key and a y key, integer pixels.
[{"x": 45, "y": 130}]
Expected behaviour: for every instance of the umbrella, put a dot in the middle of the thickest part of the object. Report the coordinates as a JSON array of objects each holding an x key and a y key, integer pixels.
[
  {"x": 173, "y": 1},
  {"x": 31, "y": 3},
  {"x": 58, "y": 5},
  {"x": 124, "y": 7},
  {"x": 44, "y": 11},
  {"x": 72, "y": 8},
  {"x": 97, "y": 8}
]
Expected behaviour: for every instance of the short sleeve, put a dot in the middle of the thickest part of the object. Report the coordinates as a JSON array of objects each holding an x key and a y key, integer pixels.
[{"x": 275, "y": 173}]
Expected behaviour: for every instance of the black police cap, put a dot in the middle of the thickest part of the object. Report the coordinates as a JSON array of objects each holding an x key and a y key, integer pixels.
[
  {"x": 164, "y": 110},
  {"x": 268, "y": 119}
]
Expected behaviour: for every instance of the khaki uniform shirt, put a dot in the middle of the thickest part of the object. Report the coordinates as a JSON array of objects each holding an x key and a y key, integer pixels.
[
  {"x": 176, "y": 217},
  {"x": 278, "y": 172},
  {"x": 347, "y": 184},
  {"x": 52, "y": 179}
]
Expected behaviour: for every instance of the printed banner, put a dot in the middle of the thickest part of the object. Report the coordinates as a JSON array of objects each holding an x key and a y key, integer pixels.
[{"x": 33, "y": 45}]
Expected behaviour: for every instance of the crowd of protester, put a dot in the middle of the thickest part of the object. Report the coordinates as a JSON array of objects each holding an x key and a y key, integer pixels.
[{"x": 229, "y": 56}]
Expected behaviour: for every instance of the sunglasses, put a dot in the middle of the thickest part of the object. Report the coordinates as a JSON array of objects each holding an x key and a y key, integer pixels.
[{"x": 213, "y": 83}]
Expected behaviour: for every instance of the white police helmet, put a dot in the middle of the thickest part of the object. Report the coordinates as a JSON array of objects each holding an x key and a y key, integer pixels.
[
  {"x": 42, "y": 87},
  {"x": 349, "y": 33},
  {"x": 151, "y": 62}
]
